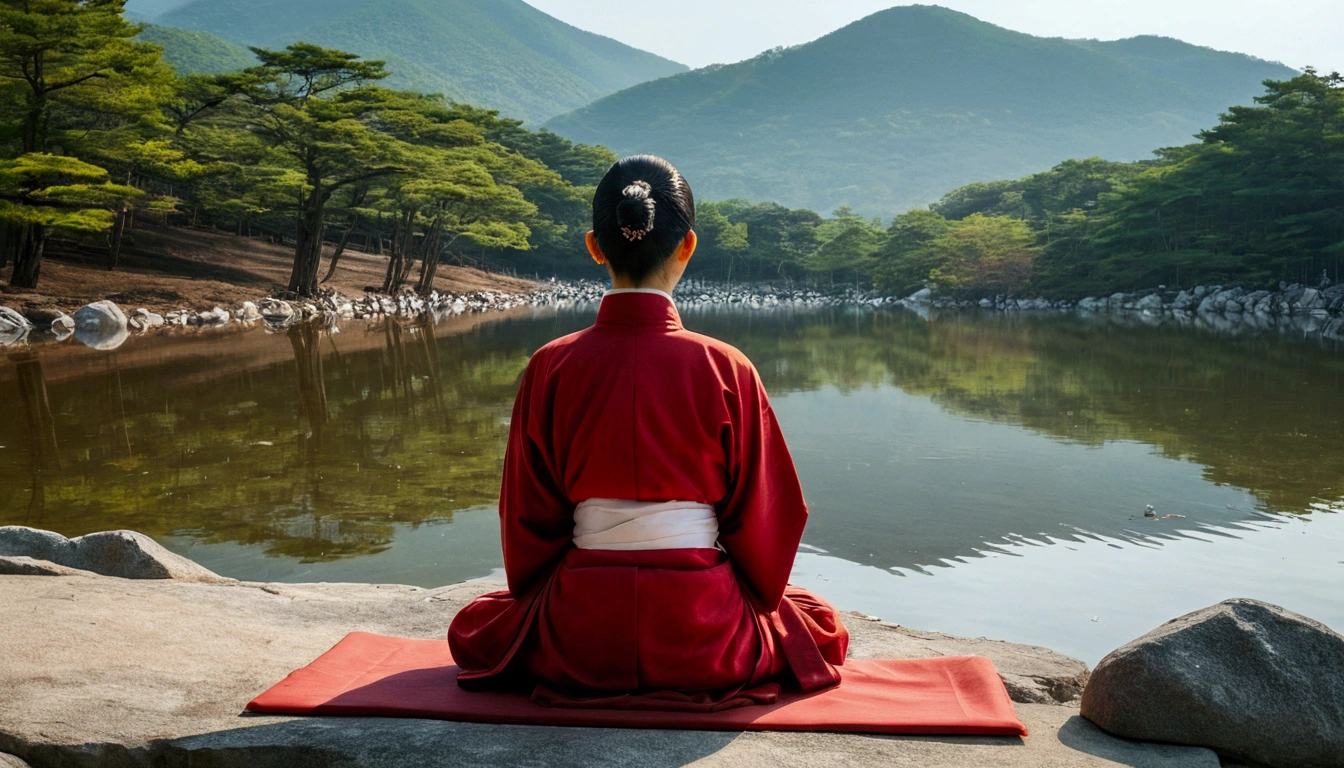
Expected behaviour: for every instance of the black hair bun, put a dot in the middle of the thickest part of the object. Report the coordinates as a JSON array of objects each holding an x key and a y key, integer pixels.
[{"x": 635, "y": 212}]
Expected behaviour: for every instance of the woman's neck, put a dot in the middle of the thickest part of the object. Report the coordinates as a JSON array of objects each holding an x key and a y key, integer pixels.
[{"x": 661, "y": 281}]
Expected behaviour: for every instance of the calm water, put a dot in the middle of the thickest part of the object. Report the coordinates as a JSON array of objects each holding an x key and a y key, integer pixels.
[{"x": 975, "y": 475}]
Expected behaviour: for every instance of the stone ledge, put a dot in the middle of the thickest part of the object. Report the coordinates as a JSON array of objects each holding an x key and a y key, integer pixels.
[{"x": 111, "y": 672}]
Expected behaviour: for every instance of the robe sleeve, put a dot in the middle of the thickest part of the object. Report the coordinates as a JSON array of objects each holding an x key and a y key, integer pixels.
[
  {"x": 536, "y": 519},
  {"x": 761, "y": 520}
]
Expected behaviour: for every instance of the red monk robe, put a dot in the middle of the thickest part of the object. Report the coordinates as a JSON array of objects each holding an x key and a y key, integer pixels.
[{"x": 638, "y": 408}]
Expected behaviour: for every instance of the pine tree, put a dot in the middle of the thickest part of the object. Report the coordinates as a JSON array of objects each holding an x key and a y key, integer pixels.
[{"x": 65, "y": 65}]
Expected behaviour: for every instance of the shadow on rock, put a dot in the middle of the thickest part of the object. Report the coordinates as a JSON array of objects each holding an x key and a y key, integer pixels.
[
  {"x": 382, "y": 743},
  {"x": 1079, "y": 734}
]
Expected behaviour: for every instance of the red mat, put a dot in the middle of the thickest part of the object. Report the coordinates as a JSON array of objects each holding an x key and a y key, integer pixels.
[{"x": 374, "y": 676}]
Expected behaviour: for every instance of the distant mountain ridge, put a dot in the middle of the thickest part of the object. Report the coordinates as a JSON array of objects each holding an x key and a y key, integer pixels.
[
  {"x": 905, "y": 105},
  {"x": 500, "y": 54},
  {"x": 197, "y": 53}
]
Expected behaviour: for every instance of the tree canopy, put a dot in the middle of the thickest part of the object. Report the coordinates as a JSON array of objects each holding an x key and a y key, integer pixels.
[{"x": 306, "y": 146}]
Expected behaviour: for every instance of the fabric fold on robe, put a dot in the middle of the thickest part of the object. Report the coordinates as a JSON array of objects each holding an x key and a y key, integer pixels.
[{"x": 637, "y": 408}]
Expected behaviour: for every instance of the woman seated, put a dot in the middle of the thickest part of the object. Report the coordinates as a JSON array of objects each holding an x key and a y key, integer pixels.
[{"x": 650, "y": 510}]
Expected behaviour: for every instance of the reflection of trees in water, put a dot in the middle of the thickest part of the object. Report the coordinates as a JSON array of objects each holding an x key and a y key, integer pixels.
[
  {"x": 318, "y": 458},
  {"x": 40, "y": 435},
  {"x": 413, "y": 427},
  {"x": 306, "y": 338},
  {"x": 412, "y": 356},
  {"x": 1260, "y": 412}
]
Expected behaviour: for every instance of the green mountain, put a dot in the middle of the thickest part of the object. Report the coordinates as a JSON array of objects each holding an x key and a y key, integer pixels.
[
  {"x": 150, "y": 10},
  {"x": 899, "y": 108},
  {"x": 197, "y": 53},
  {"x": 501, "y": 54}
]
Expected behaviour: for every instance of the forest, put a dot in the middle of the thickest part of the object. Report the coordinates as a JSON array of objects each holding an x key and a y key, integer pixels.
[
  {"x": 308, "y": 148},
  {"x": 1257, "y": 200}
]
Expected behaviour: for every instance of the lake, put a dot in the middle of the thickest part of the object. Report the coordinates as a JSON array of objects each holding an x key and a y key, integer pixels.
[{"x": 979, "y": 474}]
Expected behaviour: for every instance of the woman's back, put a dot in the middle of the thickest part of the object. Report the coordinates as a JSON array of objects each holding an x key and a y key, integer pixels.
[
  {"x": 649, "y": 408},
  {"x": 611, "y": 425}
]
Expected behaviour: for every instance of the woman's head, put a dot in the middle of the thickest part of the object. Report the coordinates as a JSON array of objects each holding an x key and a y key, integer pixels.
[{"x": 642, "y": 212}]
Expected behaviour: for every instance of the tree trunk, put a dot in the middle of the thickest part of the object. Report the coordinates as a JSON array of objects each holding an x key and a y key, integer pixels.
[
  {"x": 8, "y": 243},
  {"x": 307, "y": 254},
  {"x": 429, "y": 263},
  {"x": 402, "y": 253},
  {"x": 28, "y": 260},
  {"x": 393, "y": 253},
  {"x": 308, "y": 240},
  {"x": 340, "y": 248},
  {"x": 114, "y": 243}
]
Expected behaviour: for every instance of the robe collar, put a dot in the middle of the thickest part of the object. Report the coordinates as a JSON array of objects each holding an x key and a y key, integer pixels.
[{"x": 639, "y": 306}]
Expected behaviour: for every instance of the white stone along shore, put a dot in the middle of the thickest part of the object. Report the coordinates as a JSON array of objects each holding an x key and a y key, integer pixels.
[
  {"x": 1303, "y": 310},
  {"x": 116, "y": 652}
]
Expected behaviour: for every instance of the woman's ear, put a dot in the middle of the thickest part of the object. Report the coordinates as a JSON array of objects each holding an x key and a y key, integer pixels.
[
  {"x": 594, "y": 250},
  {"x": 687, "y": 248}
]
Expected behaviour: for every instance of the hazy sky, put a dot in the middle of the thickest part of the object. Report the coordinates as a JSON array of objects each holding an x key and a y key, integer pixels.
[{"x": 699, "y": 32}]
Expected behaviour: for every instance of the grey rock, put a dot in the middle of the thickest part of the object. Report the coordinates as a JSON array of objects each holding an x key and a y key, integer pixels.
[
  {"x": 27, "y": 566},
  {"x": 1311, "y": 299},
  {"x": 922, "y": 296},
  {"x": 14, "y": 327},
  {"x": 986, "y": 304},
  {"x": 1253, "y": 298},
  {"x": 10, "y": 318},
  {"x": 1207, "y": 305},
  {"x": 1151, "y": 302},
  {"x": 1200, "y": 292},
  {"x": 10, "y": 761},
  {"x": 123, "y": 554},
  {"x": 1183, "y": 300},
  {"x": 1233, "y": 307},
  {"x": 40, "y": 317},
  {"x": 149, "y": 319},
  {"x": 249, "y": 312},
  {"x": 216, "y": 316},
  {"x": 276, "y": 312},
  {"x": 1247, "y": 679},
  {"x": 155, "y": 673},
  {"x": 101, "y": 325},
  {"x": 1335, "y": 329},
  {"x": 1090, "y": 304}
]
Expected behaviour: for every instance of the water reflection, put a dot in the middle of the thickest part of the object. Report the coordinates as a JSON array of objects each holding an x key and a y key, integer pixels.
[
  {"x": 1259, "y": 412},
  {"x": 1085, "y": 598},
  {"x": 316, "y": 444},
  {"x": 919, "y": 441},
  {"x": 40, "y": 434}
]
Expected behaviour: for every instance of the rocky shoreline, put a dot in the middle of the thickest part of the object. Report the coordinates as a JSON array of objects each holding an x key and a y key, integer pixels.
[
  {"x": 120, "y": 653},
  {"x": 104, "y": 325},
  {"x": 1313, "y": 311}
]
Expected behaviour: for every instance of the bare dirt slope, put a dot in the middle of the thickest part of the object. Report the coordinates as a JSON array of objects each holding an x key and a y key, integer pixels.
[{"x": 166, "y": 268}]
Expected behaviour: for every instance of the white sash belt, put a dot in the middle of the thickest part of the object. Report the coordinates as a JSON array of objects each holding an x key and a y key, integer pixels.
[{"x": 639, "y": 525}]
